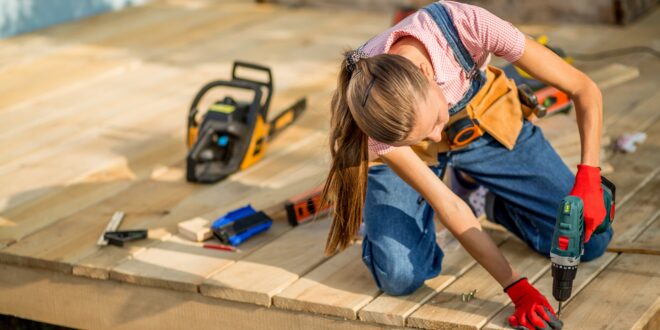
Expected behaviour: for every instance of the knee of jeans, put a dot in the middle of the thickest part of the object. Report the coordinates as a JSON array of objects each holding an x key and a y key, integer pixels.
[
  {"x": 399, "y": 281},
  {"x": 597, "y": 245}
]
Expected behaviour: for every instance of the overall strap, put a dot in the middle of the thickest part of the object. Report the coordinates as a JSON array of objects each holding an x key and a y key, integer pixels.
[{"x": 477, "y": 78}]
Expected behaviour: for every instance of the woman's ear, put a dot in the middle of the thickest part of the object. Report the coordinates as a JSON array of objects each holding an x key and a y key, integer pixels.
[{"x": 427, "y": 70}]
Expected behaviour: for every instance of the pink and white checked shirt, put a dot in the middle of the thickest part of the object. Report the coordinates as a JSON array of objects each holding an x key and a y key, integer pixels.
[{"x": 480, "y": 31}]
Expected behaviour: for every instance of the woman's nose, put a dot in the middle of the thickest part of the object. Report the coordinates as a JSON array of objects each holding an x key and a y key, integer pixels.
[{"x": 436, "y": 136}]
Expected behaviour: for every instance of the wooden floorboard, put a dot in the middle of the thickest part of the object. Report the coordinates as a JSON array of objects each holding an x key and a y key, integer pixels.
[
  {"x": 622, "y": 293},
  {"x": 394, "y": 310},
  {"x": 109, "y": 104},
  {"x": 447, "y": 310},
  {"x": 266, "y": 272}
]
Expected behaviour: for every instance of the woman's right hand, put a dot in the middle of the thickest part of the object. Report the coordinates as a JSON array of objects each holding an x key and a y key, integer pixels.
[{"x": 532, "y": 309}]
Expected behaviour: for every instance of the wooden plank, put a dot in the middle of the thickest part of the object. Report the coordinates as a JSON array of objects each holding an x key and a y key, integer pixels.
[
  {"x": 72, "y": 66},
  {"x": 393, "y": 310},
  {"x": 172, "y": 264},
  {"x": 651, "y": 234},
  {"x": 263, "y": 188},
  {"x": 587, "y": 271},
  {"x": 637, "y": 213},
  {"x": 266, "y": 272},
  {"x": 446, "y": 310},
  {"x": 633, "y": 171},
  {"x": 636, "y": 119},
  {"x": 62, "y": 243},
  {"x": 107, "y": 144},
  {"x": 648, "y": 241},
  {"x": 84, "y": 303},
  {"x": 639, "y": 248},
  {"x": 340, "y": 287},
  {"x": 614, "y": 74},
  {"x": 623, "y": 293},
  {"x": 41, "y": 212},
  {"x": 650, "y": 320}
]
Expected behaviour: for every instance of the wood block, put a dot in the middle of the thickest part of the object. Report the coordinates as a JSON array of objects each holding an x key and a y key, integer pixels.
[
  {"x": 267, "y": 271},
  {"x": 623, "y": 293},
  {"x": 446, "y": 310},
  {"x": 340, "y": 286},
  {"x": 393, "y": 310},
  {"x": 197, "y": 229}
]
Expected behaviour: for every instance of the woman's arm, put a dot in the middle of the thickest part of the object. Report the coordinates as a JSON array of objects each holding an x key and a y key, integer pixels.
[
  {"x": 453, "y": 213},
  {"x": 546, "y": 66}
]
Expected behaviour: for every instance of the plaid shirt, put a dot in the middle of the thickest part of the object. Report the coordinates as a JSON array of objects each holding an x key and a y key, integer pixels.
[{"x": 480, "y": 31}]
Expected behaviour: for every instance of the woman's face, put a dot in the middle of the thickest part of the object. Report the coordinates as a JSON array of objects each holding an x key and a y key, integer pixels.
[{"x": 432, "y": 115}]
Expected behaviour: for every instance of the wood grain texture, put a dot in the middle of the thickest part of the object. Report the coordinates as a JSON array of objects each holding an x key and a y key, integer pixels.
[
  {"x": 393, "y": 310},
  {"x": 173, "y": 264},
  {"x": 637, "y": 213},
  {"x": 587, "y": 271},
  {"x": 623, "y": 292},
  {"x": 613, "y": 75},
  {"x": 340, "y": 286},
  {"x": 266, "y": 272},
  {"x": 85, "y": 303},
  {"x": 447, "y": 311}
]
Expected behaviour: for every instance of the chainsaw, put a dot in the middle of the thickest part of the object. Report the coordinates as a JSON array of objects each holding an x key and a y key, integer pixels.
[{"x": 232, "y": 134}]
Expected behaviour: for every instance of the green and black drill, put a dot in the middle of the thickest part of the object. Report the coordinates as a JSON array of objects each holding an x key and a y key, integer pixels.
[{"x": 568, "y": 239}]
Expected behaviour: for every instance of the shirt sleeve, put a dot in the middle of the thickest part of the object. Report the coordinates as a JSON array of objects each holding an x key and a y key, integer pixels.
[
  {"x": 479, "y": 28},
  {"x": 379, "y": 148}
]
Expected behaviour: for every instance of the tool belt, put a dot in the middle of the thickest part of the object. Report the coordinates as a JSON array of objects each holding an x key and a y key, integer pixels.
[{"x": 495, "y": 109}]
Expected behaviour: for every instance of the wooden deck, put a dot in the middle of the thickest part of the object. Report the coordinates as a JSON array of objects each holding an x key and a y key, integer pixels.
[{"x": 92, "y": 120}]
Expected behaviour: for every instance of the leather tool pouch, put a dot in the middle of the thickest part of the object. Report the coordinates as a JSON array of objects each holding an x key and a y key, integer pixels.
[{"x": 495, "y": 110}]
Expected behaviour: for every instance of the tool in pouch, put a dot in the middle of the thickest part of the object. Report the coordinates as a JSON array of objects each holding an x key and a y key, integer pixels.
[
  {"x": 232, "y": 134},
  {"x": 568, "y": 239},
  {"x": 465, "y": 128}
]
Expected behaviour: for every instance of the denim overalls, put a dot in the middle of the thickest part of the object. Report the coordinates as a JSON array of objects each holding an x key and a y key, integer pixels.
[{"x": 399, "y": 246}]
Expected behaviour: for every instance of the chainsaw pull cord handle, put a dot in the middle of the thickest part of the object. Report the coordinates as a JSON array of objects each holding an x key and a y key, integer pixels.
[
  {"x": 268, "y": 84},
  {"x": 218, "y": 83}
]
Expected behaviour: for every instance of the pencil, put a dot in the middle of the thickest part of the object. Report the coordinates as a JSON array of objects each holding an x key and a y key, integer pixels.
[{"x": 220, "y": 247}]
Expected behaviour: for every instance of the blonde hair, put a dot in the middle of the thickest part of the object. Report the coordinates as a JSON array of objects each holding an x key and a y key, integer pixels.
[{"x": 375, "y": 97}]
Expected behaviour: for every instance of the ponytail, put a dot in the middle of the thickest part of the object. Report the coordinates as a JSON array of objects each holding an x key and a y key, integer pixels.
[
  {"x": 375, "y": 97},
  {"x": 346, "y": 185}
]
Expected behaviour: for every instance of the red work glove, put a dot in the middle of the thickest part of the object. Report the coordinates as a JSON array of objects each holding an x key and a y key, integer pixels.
[
  {"x": 588, "y": 187},
  {"x": 532, "y": 309}
]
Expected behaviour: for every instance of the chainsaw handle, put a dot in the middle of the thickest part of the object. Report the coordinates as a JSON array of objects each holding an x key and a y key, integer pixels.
[
  {"x": 268, "y": 84},
  {"x": 219, "y": 83}
]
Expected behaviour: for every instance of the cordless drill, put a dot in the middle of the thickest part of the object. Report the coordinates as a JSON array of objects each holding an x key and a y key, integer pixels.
[{"x": 568, "y": 239}]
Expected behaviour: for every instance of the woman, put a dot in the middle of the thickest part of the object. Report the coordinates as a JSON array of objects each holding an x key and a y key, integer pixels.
[{"x": 400, "y": 96}]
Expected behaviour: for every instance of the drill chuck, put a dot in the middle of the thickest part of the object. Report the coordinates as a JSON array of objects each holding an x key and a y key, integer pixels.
[{"x": 562, "y": 281}]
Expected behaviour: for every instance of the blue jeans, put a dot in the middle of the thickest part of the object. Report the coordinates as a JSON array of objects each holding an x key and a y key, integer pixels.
[{"x": 528, "y": 182}]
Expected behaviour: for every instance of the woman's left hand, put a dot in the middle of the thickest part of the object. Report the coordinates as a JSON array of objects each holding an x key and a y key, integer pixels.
[
  {"x": 532, "y": 309},
  {"x": 588, "y": 187}
]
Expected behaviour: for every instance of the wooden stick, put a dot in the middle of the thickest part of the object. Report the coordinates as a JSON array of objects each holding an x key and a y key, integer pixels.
[{"x": 638, "y": 248}]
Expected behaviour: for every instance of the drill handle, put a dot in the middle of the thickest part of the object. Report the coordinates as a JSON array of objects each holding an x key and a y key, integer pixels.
[{"x": 609, "y": 197}]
